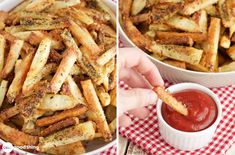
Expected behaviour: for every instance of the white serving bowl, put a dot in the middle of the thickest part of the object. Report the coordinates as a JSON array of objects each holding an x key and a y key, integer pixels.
[
  {"x": 188, "y": 140},
  {"x": 176, "y": 75},
  {"x": 93, "y": 147}
]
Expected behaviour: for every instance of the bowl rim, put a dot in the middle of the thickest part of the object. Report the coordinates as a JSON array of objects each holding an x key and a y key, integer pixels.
[
  {"x": 189, "y": 85},
  {"x": 123, "y": 34},
  {"x": 113, "y": 6}
]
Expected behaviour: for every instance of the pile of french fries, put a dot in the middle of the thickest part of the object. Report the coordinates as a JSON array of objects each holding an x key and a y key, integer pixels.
[
  {"x": 196, "y": 35},
  {"x": 58, "y": 74}
]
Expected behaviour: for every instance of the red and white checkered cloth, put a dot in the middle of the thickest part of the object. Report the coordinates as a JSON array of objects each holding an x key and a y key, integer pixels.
[{"x": 145, "y": 133}]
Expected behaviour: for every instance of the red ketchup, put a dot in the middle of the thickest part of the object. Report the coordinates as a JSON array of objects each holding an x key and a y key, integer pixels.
[{"x": 201, "y": 107}]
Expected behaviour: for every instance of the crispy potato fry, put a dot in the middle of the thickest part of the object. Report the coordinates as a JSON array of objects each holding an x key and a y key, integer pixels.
[
  {"x": 13, "y": 55},
  {"x": 225, "y": 41},
  {"x": 59, "y": 126},
  {"x": 197, "y": 37},
  {"x": 181, "y": 53},
  {"x": 231, "y": 52},
  {"x": 39, "y": 5},
  {"x": 3, "y": 90},
  {"x": 82, "y": 16},
  {"x": 105, "y": 57},
  {"x": 176, "y": 41},
  {"x": 201, "y": 19},
  {"x": 69, "y": 149},
  {"x": 96, "y": 112},
  {"x": 63, "y": 4},
  {"x": 2, "y": 52},
  {"x": 20, "y": 75},
  {"x": 75, "y": 91},
  {"x": 113, "y": 95},
  {"x": 76, "y": 111},
  {"x": 212, "y": 10},
  {"x": 170, "y": 100},
  {"x": 80, "y": 132},
  {"x": 194, "y": 6},
  {"x": 84, "y": 37},
  {"x": 211, "y": 45},
  {"x": 19, "y": 138},
  {"x": 197, "y": 67},
  {"x": 225, "y": 13},
  {"x": 113, "y": 126},
  {"x": 63, "y": 70},
  {"x": 175, "y": 63},
  {"x": 227, "y": 67},
  {"x": 110, "y": 113},
  {"x": 183, "y": 23},
  {"x": 103, "y": 96},
  {"x": 54, "y": 102},
  {"x": 138, "y": 6},
  {"x": 37, "y": 65},
  {"x": 160, "y": 27}
]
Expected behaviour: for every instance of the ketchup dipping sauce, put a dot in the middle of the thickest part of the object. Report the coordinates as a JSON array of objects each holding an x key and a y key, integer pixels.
[{"x": 202, "y": 111}]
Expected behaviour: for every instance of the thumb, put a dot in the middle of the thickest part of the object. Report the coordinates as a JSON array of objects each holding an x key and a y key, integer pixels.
[{"x": 135, "y": 98}]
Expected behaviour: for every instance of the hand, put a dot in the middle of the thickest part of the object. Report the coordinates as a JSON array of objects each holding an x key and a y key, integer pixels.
[{"x": 137, "y": 71}]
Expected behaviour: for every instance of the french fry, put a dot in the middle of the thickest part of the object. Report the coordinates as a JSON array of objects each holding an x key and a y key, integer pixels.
[
  {"x": 113, "y": 126},
  {"x": 37, "y": 65},
  {"x": 197, "y": 37},
  {"x": 137, "y": 6},
  {"x": 201, "y": 19},
  {"x": 225, "y": 41},
  {"x": 103, "y": 96},
  {"x": 8, "y": 113},
  {"x": 96, "y": 112},
  {"x": 12, "y": 57},
  {"x": 2, "y": 52},
  {"x": 110, "y": 113},
  {"x": 73, "y": 112},
  {"x": 105, "y": 57},
  {"x": 84, "y": 37},
  {"x": 227, "y": 67},
  {"x": 63, "y": 4},
  {"x": 75, "y": 91},
  {"x": 59, "y": 126},
  {"x": 194, "y": 6},
  {"x": 160, "y": 27},
  {"x": 231, "y": 52},
  {"x": 113, "y": 95},
  {"x": 19, "y": 138},
  {"x": 212, "y": 10},
  {"x": 181, "y": 53},
  {"x": 63, "y": 70},
  {"x": 39, "y": 5},
  {"x": 3, "y": 90},
  {"x": 183, "y": 23},
  {"x": 170, "y": 100},
  {"x": 82, "y": 16},
  {"x": 197, "y": 67},
  {"x": 176, "y": 41},
  {"x": 54, "y": 102},
  {"x": 175, "y": 63},
  {"x": 73, "y": 148},
  {"x": 83, "y": 131},
  {"x": 211, "y": 45},
  {"x": 18, "y": 81},
  {"x": 224, "y": 10}
]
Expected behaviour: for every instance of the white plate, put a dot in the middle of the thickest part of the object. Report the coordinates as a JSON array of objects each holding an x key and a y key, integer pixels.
[
  {"x": 93, "y": 147},
  {"x": 176, "y": 75}
]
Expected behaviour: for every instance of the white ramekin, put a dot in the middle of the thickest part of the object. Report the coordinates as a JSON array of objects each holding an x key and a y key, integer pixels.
[{"x": 188, "y": 140}]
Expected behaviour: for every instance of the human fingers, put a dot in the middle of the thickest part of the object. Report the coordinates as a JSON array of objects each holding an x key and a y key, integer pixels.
[
  {"x": 140, "y": 112},
  {"x": 134, "y": 58},
  {"x": 124, "y": 121}
]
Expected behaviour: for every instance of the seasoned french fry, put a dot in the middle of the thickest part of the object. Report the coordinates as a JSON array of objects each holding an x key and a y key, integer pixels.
[
  {"x": 183, "y": 23},
  {"x": 110, "y": 113},
  {"x": 194, "y": 6},
  {"x": 37, "y": 65},
  {"x": 103, "y": 96},
  {"x": 138, "y": 6},
  {"x": 54, "y": 102},
  {"x": 175, "y": 63},
  {"x": 105, "y": 57},
  {"x": 176, "y": 41},
  {"x": 76, "y": 111},
  {"x": 113, "y": 126},
  {"x": 224, "y": 10},
  {"x": 96, "y": 112},
  {"x": 160, "y": 27},
  {"x": 201, "y": 19},
  {"x": 227, "y": 67},
  {"x": 2, "y": 52},
  {"x": 211, "y": 45},
  {"x": 212, "y": 10},
  {"x": 82, "y": 16},
  {"x": 197, "y": 67},
  {"x": 113, "y": 95},
  {"x": 19, "y": 138},
  {"x": 170, "y": 100},
  {"x": 63, "y": 4},
  {"x": 3, "y": 90},
  {"x": 59, "y": 126},
  {"x": 84, "y": 37},
  {"x": 197, "y": 37},
  {"x": 231, "y": 52},
  {"x": 68, "y": 149},
  {"x": 181, "y": 53},
  {"x": 12, "y": 57},
  {"x": 75, "y": 91},
  {"x": 20, "y": 75},
  {"x": 63, "y": 70},
  {"x": 84, "y": 131},
  {"x": 225, "y": 41},
  {"x": 39, "y": 5}
]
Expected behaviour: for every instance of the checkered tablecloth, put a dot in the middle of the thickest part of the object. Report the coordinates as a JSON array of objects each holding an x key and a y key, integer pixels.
[{"x": 145, "y": 133}]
